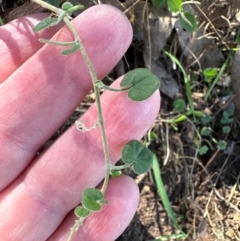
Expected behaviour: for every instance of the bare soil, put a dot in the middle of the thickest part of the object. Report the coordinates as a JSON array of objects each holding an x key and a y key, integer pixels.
[{"x": 203, "y": 189}]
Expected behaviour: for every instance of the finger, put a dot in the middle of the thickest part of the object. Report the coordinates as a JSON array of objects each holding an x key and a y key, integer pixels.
[
  {"x": 39, "y": 96},
  {"x": 53, "y": 184},
  {"x": 18, "y": 42},
  {"x": 122, "y": 195}
]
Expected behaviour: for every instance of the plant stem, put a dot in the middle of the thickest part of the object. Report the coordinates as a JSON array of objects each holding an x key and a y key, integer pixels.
[
  {"x": 121, "y": 167},
  {"x": 58, "y": 11},
  {"x": 98, "y": 102},
  {"x": 116, "y": 90},
  {"x": 46, "y": 41},
  {"x": 74, "y": 228}
]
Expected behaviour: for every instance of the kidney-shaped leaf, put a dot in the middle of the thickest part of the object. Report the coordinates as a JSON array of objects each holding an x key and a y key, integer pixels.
[
  {"x": 91, "y": 205},
  {"x": 134, "y": 152},
  {"x": 92, "y": 199},
  {"x": 93, "y": 194},
  {"x": 144, "y": 83},
  {"x": 81, "y": 212}
]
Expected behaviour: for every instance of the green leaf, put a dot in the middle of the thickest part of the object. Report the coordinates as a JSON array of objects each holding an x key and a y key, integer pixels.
[
  {"x": 179, "y": 119},
  {"x": 81, "y": 212},
  {"x": 174, "y": 126},
  {"x": 116, "y": 173},
  {"x": 174, "y": 5},
  {"x": 179, "y": 105},
  {"x": 210, "y": 74},
  {"x": 206, "y": 119},
  {"x": 91, "y": 204},
  {"x": 92, "y": 199},
  {"x": 134, "y": 152},
  {"x": 55, "y": 3},
  {"x": 144, "y": 84},
  {"x": 93, "y": 194},
  {"x": 158, "y": 3},
  {"x": 188, "y": 21},
  {"x": 222, "y": 145},
  {"x": 226, "y": 129},
  {"x": 45, "y": 23},
  {"x": 226, "y": 119},
  {"x": 203, "y": 150},
  {"x": 153, "y": 136},
  {"x": 205, "y": 131},
  {"x": 186, "y": 82},
  {"x": 72, "y": 50},
  {"x": 66, "y": 6},
  {"x": 198, "y": 113},
  {"x": 162, "y": 191},
  {"x": 228, "y": 113}
]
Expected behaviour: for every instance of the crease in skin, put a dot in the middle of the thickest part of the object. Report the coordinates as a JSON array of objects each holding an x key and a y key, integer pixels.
[{"x": 55, "y": 188}]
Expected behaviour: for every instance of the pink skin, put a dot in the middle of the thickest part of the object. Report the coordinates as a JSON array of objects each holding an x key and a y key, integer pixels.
[{"x": 39, "y": 90}]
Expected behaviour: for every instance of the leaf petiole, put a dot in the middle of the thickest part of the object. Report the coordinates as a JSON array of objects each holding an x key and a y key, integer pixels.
[{"x": 46, "y": 41}]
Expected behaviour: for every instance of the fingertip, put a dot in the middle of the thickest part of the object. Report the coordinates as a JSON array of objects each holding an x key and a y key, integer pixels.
[
  {"x": 106, "y": 225},
  {"x": 110, "y": 29}
]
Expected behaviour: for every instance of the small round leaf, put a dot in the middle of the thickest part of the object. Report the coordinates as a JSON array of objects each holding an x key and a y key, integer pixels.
[
  {"x": 81, "y": 212},
  {"x": 179, "y": 105},
  {"x": 226, "y": 129},
  {"x": 93, "y": 194},
  {"x": 206, "y": 119},
  {"x": 67, "y": 5},
  {"x": 91, "y": 205},
  {"x": 203, "y": 150},
  {"x": 144, "y": 84},
  {"x": 188, "y": 21},
  {"x": 92, "y": 199},
  {"x": 134, "y": 152},
  {"x": 205, "y": 131},
  {"x": 222, "y": 145}
]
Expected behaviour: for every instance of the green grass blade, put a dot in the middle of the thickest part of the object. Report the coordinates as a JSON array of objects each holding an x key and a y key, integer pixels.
[
  {"x": 166, "y": 203},
  {"x": 162, "y": 191},
  {"x": 186, "y": 81},
  {"x": 218, "y": 76}
]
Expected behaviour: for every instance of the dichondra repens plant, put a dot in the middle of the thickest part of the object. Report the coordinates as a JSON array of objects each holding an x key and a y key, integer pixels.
[{"x": 140, "y": 85}]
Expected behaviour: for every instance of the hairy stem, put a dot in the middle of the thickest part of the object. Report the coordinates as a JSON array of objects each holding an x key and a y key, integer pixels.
[
  {"x": 58, "y": 11},
  {"x": 116, "y": 90},
  {"x": 61, "y": 12},
  {"x": 98, "y": 102},
  {"x": 74, "y": 228}
]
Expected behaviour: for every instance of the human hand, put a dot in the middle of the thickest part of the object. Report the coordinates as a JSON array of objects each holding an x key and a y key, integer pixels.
[{"x": 39, "y": 90}]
